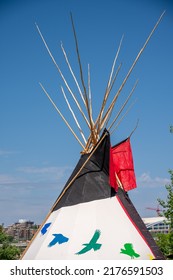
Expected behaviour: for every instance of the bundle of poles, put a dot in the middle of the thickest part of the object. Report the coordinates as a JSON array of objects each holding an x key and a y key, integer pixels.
[{"x": 104, "y": 116}]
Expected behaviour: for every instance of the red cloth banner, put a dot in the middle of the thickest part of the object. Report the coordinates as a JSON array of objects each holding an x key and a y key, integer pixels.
[{"x": 121, "y": 165}]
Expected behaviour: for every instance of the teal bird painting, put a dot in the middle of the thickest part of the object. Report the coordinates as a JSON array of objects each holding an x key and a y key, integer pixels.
[{"x": 92, "y": 244}]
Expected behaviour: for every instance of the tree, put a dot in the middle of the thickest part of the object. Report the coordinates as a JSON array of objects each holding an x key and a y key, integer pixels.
[
  {"x": 165, "y": 241},
  {"x": 4, "y": 237},
  {"x": 7, "y": 251},
  {"x": 168, "y": 204}
]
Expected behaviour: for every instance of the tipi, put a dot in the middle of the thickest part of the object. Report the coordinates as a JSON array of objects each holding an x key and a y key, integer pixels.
[{"x": 94, "y": 218}]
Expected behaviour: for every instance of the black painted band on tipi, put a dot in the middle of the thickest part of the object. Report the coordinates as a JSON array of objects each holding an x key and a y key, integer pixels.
[{"x": 93, "y": 181}]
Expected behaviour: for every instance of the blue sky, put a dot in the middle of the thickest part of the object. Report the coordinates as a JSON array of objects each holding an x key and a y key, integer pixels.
[{"x": 37, "y": 152}]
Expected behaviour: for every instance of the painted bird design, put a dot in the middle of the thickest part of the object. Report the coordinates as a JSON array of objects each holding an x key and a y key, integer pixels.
[
  {"x": 58, "y": 238},
  {"x": 92, "y": 244},
  {"x": 128, "y": 250},
  {"x": 45, "y": 228}
]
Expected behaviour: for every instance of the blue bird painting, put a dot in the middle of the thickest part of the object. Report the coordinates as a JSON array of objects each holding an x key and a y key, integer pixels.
[{"x": 58, "y": 239}]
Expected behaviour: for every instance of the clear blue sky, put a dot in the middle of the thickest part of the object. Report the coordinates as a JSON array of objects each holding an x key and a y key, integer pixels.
[{"x": 37, "y": 152}]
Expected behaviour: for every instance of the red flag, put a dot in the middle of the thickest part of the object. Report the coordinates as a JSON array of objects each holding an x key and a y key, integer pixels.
[{"x": 121, "y": 166}]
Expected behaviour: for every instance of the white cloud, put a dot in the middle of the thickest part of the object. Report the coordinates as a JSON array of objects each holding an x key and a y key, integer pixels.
[
  {"x": 33, "y": 175},
  {"x": 6, "y": 179},
  {"x": 146, "y": 180},
  {"x": 50, "y": 173},
  {"x": 7, "y": 153},
  {"x": 43, "y": 170},
  {"x": 30, "y": 197}
]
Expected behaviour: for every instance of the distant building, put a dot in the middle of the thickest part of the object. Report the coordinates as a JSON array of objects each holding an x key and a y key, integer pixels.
[
  {"x": 22, "y": 230},
  {"x": 156, "y": 224}
]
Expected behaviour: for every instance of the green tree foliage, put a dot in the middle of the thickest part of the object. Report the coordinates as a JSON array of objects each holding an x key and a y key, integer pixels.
[
  {"x": 168, "y": 204},
  {"x": 4, "y": 237},
  {"x": 7, "y": 251},
  {"x": 165, "y": 241}
]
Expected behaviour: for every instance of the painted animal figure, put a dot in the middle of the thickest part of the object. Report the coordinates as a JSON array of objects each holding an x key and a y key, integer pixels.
[
  {"x": 128, "y": 250},
  {"x": 92, "y": 244}
]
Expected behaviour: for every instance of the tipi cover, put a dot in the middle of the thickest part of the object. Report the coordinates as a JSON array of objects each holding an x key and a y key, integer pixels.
[{"x": 90, "y": 220}]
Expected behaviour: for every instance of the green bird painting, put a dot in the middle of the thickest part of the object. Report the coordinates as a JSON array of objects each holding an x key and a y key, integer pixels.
[
  {"x": 128, "y": 250},
  {"x": 92, "y": 244}
]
